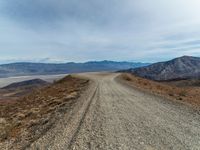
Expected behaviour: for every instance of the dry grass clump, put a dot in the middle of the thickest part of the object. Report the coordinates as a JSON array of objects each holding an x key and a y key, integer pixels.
[
  {"x": 189, "y": 94},
  {"x": 24, "y": 120}
]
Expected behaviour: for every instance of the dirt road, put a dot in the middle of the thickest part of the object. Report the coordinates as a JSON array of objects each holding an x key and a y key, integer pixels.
[{"x": 116, "y": 116}]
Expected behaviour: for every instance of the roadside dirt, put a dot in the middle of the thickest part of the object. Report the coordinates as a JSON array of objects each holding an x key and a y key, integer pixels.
[
  {"x": 27, "y": 118},
  {"x": 174, "y": 90}
]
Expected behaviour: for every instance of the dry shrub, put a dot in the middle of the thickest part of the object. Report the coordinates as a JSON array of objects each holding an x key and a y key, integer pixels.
[
  {"x": 189, "y": 94},
  {"x": 37, "y": 109},
  {"x": 183, "y": 93}
]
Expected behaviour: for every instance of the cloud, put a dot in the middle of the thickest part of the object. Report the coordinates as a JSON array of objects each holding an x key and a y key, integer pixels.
[
  {"x": 43, "y": 12},
  {"x": 75, "y": 30}
]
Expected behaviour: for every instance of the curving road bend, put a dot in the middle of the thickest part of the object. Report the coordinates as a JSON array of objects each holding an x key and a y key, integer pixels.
[
  {"x": 124, "y": 118},
  {"x": 120, "y": 117}
]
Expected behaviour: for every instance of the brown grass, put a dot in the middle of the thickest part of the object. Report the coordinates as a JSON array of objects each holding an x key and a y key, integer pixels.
[
  {"x": 188, "y": 94},
  {"x": 28, "y": 117}
]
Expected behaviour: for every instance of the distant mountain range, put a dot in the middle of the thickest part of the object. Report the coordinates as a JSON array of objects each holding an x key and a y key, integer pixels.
[
  {"x": 23, "y": 69},
  {"x": 186, "y": 67}
]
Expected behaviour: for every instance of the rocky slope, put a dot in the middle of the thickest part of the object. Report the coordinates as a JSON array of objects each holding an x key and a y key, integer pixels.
[
  {"x": 14, "y": 90},
  {"x": 29, "y": 117},
  {"x": 26, "y": 84},
  {"x": 185, "y": 67}
]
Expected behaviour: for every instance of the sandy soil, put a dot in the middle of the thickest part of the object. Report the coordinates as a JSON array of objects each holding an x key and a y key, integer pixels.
[{"x": 115, "y": 116}]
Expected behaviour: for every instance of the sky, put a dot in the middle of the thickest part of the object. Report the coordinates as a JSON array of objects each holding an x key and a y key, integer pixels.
[{"x": 84, "y": 30}]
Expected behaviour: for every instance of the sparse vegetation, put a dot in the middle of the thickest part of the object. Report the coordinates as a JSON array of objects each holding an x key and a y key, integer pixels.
[
  {"x": 31, "y": 116},
  {"x": 183, "y": 93},
  {"x": 178, "y": 91}
]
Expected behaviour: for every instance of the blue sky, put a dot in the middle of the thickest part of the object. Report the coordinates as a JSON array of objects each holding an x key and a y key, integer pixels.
[{"x": 77, "y": 30}]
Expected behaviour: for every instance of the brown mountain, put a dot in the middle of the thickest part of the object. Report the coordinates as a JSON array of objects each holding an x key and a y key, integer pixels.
[
  {"x": 21, "y": 88},
  {"x": 186, "y": 67}
]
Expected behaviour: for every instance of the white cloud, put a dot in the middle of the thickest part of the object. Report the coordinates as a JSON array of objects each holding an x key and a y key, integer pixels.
[{"x": 97, "y": 30}]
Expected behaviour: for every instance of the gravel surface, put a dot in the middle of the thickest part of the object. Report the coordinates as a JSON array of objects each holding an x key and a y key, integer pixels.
[{"x": 115, "y": 116}]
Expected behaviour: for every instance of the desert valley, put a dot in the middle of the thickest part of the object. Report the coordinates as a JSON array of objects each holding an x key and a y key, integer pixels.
[
  {"x": 99, "y": 75},
  {"x": 64, "y": 113}
]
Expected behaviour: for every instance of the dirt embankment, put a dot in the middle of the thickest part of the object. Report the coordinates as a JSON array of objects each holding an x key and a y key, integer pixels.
[
  {"x": 28, "y": 118},
  {"x": 172, "y": 90}
]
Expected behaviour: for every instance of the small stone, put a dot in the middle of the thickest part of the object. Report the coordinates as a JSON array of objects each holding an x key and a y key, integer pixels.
[{"x": 2, "y": 121}]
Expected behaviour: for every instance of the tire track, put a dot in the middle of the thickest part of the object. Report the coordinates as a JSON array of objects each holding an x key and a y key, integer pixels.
[{"x": 82, "y": 118}]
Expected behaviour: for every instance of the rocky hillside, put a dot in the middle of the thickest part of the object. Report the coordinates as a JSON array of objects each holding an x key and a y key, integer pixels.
[
  {"x": 185, "y": 67},
  {"x": 14, "y": 90},
  {"x": 29, "y": 117},
  {"x": 26, "y": 84}
]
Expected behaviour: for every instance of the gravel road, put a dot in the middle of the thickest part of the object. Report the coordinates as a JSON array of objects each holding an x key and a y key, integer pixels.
[{"x": 117, "y": 116}]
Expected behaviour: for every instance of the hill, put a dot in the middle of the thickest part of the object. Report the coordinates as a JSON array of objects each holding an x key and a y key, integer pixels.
[
  {"x": 186, "y": 67},
  {"x": 21, "y": 88},
  {"x": 21, "y": 69},
  {"x": 26, "y": 84},
  {"x": 30, "y": 116}
]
